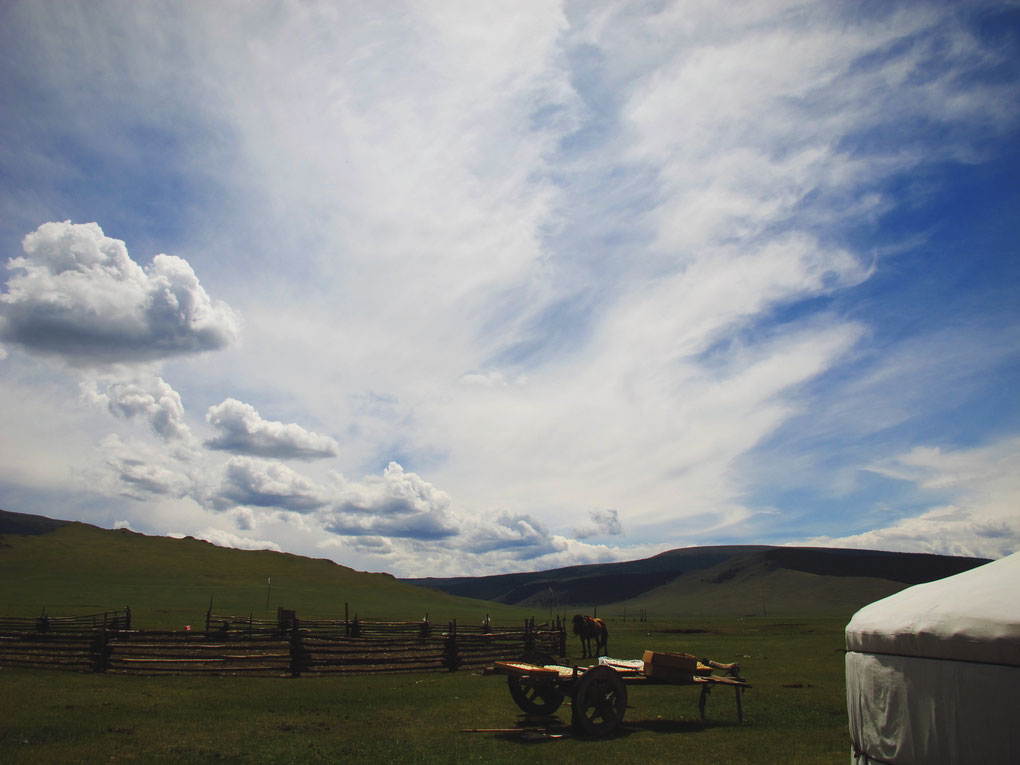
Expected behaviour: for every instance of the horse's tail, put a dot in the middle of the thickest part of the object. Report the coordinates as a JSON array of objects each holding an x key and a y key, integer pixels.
[{"x": 602, "y": 635}]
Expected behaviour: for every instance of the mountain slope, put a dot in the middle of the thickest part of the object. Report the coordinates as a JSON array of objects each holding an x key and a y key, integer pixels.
[
  {"x": 732, "y": 580},
  {"x": 72, "y": 568},
  {"x": 598, "y": 582},
  {"x": 786, "y": 581}
]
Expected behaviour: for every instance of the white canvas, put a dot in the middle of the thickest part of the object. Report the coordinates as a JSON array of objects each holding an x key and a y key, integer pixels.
[{"x": 933, "y": 671}]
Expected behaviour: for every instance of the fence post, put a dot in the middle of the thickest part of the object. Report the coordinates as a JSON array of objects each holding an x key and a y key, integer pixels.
[
  {"x": 347, "y": 621},
  {"x": 127, "y": 617},
  {"x": 100, "y": 652},
  {"x": 298, "y": 655},
  {"x": 450, "y": 657}
]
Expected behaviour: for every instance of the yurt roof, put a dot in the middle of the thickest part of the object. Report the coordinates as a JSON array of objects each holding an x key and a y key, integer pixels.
[{"x": 973, "y": 616}]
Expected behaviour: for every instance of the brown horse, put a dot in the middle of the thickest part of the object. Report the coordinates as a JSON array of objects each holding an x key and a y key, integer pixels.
[{"x": 589, "y": 628}]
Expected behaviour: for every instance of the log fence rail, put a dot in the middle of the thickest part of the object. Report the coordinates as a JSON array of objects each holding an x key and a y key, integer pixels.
[{"x": 284, "y": 646}]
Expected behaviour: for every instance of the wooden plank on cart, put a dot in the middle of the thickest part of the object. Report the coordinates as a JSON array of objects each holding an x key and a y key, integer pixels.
[{"x": 523, "y": 668}]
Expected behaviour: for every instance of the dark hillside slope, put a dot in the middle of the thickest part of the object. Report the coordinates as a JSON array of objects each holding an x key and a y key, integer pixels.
[
  {"x": 23, "y": 523},
  {"x": 596, "y": 582},
  {"x": 791, "y": 581},
  {"x": 715, "y": 579},
  {"x": 906, "y": 568}
]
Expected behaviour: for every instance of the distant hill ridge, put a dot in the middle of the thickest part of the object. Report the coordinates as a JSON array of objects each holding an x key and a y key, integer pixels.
[
  {"x": 65, "y": 564},
  {"x": 699, "y": 568},
  {"x": 23, "y": 523}
]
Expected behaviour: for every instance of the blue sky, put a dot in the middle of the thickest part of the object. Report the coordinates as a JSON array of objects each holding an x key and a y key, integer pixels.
[{"x": 449, "y": 288}]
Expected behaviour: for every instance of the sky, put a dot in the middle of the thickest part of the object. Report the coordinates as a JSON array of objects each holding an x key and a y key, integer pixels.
[{"x": 457, "y": 288}]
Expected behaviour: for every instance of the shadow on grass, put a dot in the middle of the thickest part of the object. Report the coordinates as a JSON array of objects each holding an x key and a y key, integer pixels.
[
  {"x": 534, "y": 730},
  {"x": 677, "y": 726}
]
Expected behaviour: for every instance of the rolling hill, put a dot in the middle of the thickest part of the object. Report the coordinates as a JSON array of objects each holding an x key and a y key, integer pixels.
[
  {"x": 71, "y": 568},
  {"x": 735, "y": 580}
]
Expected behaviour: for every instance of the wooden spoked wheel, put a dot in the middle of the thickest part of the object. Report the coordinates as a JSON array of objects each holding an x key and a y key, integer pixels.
[
  {"x": 600, "y": 701},
  {"x": 534, "y": 698}
]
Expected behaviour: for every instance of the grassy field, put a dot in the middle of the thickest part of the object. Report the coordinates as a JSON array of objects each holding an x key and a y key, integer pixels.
[
  {"x": 796, "y": 711},
  {"x": 168, "y": 583}
]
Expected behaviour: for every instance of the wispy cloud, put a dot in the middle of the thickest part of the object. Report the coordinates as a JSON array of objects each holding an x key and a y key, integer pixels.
[
  {"x": 973, "y": 510},
  {"x": 507, "y": 263}
]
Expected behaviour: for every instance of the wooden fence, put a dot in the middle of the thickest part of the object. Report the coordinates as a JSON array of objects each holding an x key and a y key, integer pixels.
[
  {"x": 108, "y": 620},
  {"x": 287, "y": 646}
]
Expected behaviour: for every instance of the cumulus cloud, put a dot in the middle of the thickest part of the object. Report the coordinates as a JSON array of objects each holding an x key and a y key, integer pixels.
[
  {"x": 243, "y": 431},
  {"x": 77, "y": 295},
  {"x": 520, "y": 533},
  {"x": 148, "y": 397},
  {"x": 601, "y": 523},
  {"x": 395, "y": 504},
  {"x": 246, "y": 481}
]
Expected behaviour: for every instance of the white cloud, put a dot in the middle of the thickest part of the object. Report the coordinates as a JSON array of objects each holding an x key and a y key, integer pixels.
[
  {"x": 246, "y": 481},
  {"x": 556, "y": 257},
  {"x": 980, "y": 519},
  {"x": 146, "y": 396},
  {"x": 243, "y": 431},
  {"x": 140, "y": 471},
  {"x": 230, "y": 539},
  {"x": 395, "y": 504},
  {"x": 76, "y": 294},
  {"x": 602, "y": 523}
]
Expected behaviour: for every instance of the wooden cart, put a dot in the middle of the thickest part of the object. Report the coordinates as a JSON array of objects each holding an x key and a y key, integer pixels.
[{"x": 598, "y": 694}]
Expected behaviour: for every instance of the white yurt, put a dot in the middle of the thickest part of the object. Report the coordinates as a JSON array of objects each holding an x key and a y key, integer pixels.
[{"x": 933, "y": 672}]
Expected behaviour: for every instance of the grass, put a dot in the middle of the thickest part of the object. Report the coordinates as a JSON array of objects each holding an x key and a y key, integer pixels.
[
  {"x": 795, "y": 713},
  {"x": 168, "y": 583}
]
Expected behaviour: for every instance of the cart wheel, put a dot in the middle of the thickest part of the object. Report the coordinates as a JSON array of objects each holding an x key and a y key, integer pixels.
[
  {"x": 534, "y": 698},
  {"x": 600, "y": 702}
]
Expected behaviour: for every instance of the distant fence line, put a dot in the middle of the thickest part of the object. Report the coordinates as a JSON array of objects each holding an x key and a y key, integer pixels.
[
  {"x": 110, "y": 620},
  {"x": 286, "y": 646}
]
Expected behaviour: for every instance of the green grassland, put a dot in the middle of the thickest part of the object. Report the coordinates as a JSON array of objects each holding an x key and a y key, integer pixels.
[
  {"x": 168, "y": 583},
  {"x": 773, "y": 593},
  {"x": 795, "y": 712}
]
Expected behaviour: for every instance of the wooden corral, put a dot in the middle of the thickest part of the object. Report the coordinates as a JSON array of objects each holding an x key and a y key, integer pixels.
[{"x": 285, "y": 646}]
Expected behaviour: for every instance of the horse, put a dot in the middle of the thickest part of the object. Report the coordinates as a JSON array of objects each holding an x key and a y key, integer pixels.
[{"x": 589, "y": 628}]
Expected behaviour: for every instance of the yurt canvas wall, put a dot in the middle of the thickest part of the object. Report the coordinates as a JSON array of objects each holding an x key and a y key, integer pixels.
[{"x": 933, "y": 672}]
